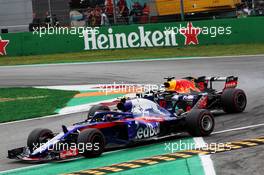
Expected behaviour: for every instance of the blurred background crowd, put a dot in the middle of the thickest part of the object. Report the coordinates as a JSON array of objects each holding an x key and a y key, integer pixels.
[
  {"x": 93, "y": 13},
  {"x": 109, "y": 13}
]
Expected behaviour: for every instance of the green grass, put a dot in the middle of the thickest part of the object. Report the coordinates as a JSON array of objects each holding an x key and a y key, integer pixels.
[
  {"x": 24, "y": 103},
  {"x": 128, "y": 54}
]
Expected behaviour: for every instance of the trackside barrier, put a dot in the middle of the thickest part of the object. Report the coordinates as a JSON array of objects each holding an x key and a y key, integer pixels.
[{"x": 178, "y": 34}]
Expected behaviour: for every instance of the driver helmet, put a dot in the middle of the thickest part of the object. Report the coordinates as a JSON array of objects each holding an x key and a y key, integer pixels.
[
  {"x": 170, "y": 85},
  {"x": 125, "y": 106}
]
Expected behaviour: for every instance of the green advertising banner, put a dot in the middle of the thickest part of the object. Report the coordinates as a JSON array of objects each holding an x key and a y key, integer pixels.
[{"x": 178, "y": 34}]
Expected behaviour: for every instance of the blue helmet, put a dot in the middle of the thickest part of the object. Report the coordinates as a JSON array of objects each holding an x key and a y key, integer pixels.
[{"x": 125, "y": 106}]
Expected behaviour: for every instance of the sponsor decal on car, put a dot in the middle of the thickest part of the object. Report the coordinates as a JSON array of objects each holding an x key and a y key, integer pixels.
[
  {"x": 150, "y": 118},
  {"x": 68, "y": 153},
  {"x": 148, "y": 130}
]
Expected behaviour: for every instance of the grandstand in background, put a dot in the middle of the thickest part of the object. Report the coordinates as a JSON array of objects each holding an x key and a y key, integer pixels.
[{"x": 22, "y": 15}]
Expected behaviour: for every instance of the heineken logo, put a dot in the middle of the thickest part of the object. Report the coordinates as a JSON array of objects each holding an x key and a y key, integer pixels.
[
  {"x": 191, "y": 34},
  {"x": 139, "y": 38},
  {"x": 3, "y": 44}
]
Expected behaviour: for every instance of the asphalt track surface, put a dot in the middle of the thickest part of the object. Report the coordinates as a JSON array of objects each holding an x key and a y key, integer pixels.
[{"x": 251, "y": 78}]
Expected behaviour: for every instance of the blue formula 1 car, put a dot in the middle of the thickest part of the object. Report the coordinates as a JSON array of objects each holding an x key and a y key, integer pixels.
[
  {"x": 142, "y": 120},
  {"x": 182, "y": 95}
]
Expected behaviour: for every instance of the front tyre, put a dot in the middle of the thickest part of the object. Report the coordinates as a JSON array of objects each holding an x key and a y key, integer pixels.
[
  {"x": 37, "y": 137},
  {"x": 91, "y": 143},
  {"x": 200, "y": 122},
  {"x": 233, "y": 100}
]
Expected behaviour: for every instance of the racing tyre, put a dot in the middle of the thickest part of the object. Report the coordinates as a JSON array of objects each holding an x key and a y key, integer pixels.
[
  {"x": 91, "y": 143},
  {"x": 37, "y": 137},
  {"x": 233, "y": 100},
  {"x": 200, "y": 122},
  {"x": 95, "y": 109}
]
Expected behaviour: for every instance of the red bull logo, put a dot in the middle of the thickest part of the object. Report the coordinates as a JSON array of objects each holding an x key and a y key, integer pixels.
[{"x": 181, "y": 86}]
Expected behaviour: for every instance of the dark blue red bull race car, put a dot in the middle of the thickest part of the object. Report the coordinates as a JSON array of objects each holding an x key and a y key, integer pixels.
[
  {"x": 151, "y": 116},
  {"x": 182, "y": 95}
]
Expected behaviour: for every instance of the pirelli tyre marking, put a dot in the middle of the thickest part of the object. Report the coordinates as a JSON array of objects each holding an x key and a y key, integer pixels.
[{"x": 171, "y": 157}]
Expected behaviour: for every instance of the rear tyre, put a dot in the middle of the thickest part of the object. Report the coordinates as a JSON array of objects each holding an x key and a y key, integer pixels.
[
  {"x": 96, "y": 108},
  {"x": 37, "y": 137},
  {"x": 91, "y": 143},
  {"x": 200, "y": 122},
  {"x": 233, "y": 100}
]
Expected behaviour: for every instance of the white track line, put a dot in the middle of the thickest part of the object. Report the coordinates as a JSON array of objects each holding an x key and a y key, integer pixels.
[
  {"x": 63, "y": 112},
  {"x": 99, "y": 87},
  {"x": 239, "y": 128},
  {"x": 71, "y": 87},
  {"x": 39, "y": 118},
  {"x": 136, "y": 60},
  {"x": 208, "y": 165},
  {"x": 45, "y": 164},
  {"x": 206, "y": 160},
  {"x": 23, "y": 168},
  {"x": 81, "y": 108},
  {"x": 199, "y": 142}
]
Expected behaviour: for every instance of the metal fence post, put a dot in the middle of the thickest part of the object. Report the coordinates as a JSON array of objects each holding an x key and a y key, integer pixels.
[
  {"x": 114, "y": 11},
  {"x": 49, "y": 4},
  {"x": 182, "y": 10},
  {"x": 253, "y": 7}
]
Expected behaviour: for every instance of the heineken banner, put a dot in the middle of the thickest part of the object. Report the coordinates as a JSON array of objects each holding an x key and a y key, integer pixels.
[{"x": 180, "y": 34}]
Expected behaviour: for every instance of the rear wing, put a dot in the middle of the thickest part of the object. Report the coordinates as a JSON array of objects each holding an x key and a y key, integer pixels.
[
  {"x": 230, "y": 82},
  {"x": 207, "y": 82}
]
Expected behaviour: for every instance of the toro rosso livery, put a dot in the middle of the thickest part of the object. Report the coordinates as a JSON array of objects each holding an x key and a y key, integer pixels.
[
  {"x": 145, "y": 120},
  {"x": 184, "y": 106}
]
